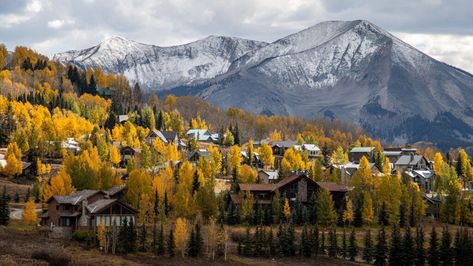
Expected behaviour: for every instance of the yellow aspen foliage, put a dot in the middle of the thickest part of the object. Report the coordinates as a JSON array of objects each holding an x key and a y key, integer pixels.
[
  {"x": 144, "y": 209},
  {"x": 266, "y": 155},
  {"x": 367, "y": 209},
  {"x": 29, "y": 213},
  {"x": 198, "y": 123},
  {"x": 14, "y": 166},
  {"x": 172, "y": 154},
  {"x": 115, "y": 157},
  {"x": 438, "y": 163},
  {"x": 180, "y": 236},
  {"x": 287, "y": 209},
  {"x": 247, "y": 175},
  {"x": 61, "y": 184},
  {"x": 387, "y": 166},
  {"x": 215, "y": 160},
  {"x": 159, "y": 146},
  {"x": 339, "y": 156},
  {"x": 43, "y": 168},
  {"x": 275, "y": 136},
  {"x": 348, "y": 214},
  {"x": 246, "y": 204},
  {"x": 139, "y": 183},
  {"x": 101, "y": 234},
  {"x": 164, "y": 182},
  {"x": 170, "y": 101},
  {"x": 234, "y": 159}
]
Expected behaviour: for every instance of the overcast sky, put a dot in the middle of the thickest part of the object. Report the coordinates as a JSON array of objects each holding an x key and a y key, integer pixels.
[{"x": 440, "y": 28}]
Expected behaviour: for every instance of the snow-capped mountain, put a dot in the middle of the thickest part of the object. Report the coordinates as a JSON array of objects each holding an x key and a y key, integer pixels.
[
  {"x": 352, "y": 70},
  {"x": 159, "y": 68}
]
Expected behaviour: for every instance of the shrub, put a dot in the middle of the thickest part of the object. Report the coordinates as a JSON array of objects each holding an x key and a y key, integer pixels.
[
  {"x": 84, "y": 236},
  {"x": 53, "y": 257}
]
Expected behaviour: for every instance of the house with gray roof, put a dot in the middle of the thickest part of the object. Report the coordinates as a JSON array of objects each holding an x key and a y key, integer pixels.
[
  {"x": 87, "y": 209},
  {"x": 203, "y": 135},
  {"x": 357, "y": 153},
  {"x": 411, "y": 162}
]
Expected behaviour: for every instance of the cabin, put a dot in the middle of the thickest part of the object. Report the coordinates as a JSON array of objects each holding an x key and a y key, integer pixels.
[
  {"x": 203, "y": 135},
  {"x": 347, "y": 170},
  {"x": 194, "y": 156},
  {"x": 122, "y": 119},
  {"x": 268, "y": 176},
  {"x": 311, "y": 150},
  {"x": 255, "y": 160},
  {"x": 126, "y": 153},
  {"x": 86, "y": 209},
  {"x": 280, "y": 147},
  {"x": 105, "y": 92},
  {"x": 411, "y": 162},
  {"x": 424, "y": 178},
  {"x": 357, "y": 153},
  {"x": 298, "y": 187},
  {"x": 393, "y": 154}
]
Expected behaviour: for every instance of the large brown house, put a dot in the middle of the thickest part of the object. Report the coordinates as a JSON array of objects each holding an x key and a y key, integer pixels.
[
  {"x": 87, "y": 209},
  {"x": 298, "y": 187}
]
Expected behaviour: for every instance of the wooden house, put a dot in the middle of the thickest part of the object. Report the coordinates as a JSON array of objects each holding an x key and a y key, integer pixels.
[{"x": 357, "y": 153}]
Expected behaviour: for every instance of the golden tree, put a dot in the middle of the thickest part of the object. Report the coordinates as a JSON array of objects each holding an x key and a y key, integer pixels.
[
  {"x": 101, "y": 235},
  {"x": 234, "y": 159},
  {"x": 287, "y": 209},
  {"x": 247, "y": 175},
  {"x": 180, "y": 236},
  {"x": 367, "y": 209},
  {"x": 348, "y": 215},
  {"x": 29, "y": 213},
  {"x": 13, "y": 157},
  {"x": 139, "y": 183},
  {"x": 266, "y": 155},
  {"x": 115, "y": 157}
]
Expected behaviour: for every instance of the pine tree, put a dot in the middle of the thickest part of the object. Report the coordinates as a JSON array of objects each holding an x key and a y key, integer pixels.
[
  {"x": 247, "y": 243},
  {"x": 142, "y": 238},
  {"x": 270, "y": 243},
  {"x": 199, "y": 240},
  {"x": 395, "y": 250},
  {"x": 322, "y": 242},
  {"x": 368, "y": 250},
  {"x": 383, "y": 215},
  {"x": 344, "y": 244},
  {"x": 131, "y": 236},
  {"x": 353, "y": 247},
  {"x": 305, "y": 248},
  {"x": 446, "y": 252},
  {"x": 381, "y": 249},
  {"x": 160, "y": 244},
  {"x": 171, "y": 244},
  {"x": 315, "y": 241},
  {"x": 4, "y": 208},
  {"x": 433, "y": 256},
  {"x": 408, "y": 247},
  {"x": 420, "y": 250},
  {"x": 333, "y": 249},
  {"x": 191, "y": 244}
]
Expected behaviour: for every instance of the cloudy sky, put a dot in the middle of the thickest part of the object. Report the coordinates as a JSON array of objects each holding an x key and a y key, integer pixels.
[{"x": 440, "y": 28}]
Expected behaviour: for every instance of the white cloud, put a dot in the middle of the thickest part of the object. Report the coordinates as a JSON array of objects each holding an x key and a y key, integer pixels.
[
  {"x": 34, "y": 6},
  {"x": 455, "y": 50},
  {"x": 56, "y": 24}
]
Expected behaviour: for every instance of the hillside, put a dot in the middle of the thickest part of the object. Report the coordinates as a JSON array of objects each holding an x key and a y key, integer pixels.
[{"x": 351, "y": 70}]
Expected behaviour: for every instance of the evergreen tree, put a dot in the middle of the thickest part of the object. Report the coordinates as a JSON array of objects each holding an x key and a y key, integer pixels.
[
  {"x": 171, "y": 244},
  {"x": 368, "y": 250},
  {"x": 402, "y": 215},
  {"x": 344, "y": 244},
  {"x": 191, "y": 245},
  {"x": 305, "y": 248},
  {"x": 247, "y": 243},
  {"x": 322, "y": 242},
  {"x": 458, "y": 246},
  {"x": 395, "y": 250},
  {"x": 383, "y": 215},
  {"x": 4, "y": 209},
  {"x": 160, "y": 121},
  {"x": 142, "y": 238},
  {"x": 408, "y": 247},
  {"x": 195, "y": 182},
  {"x": 433, "y": 256},
  {"x": 199, "y": 241},
  {"x": 381, "y": 249},
  {"x": 131, "y": 236},
  {"x": 333, "y": 249},
  {"x": 358, "y": 219},
  {"x": 123, "y": 237},
  {"x": 446, "y": 252},
  {"x": 154, "y": 242},
  {"x": 270, "y": 243},
  {"x": 315, "y": 241},
  {"x": 353, "y": 247},
  {"x": 160, "y": 248},
  {"x": 92, "y": 88},
  {"x": 167, "y": 207},
  {"x": 420, "y": 250}
]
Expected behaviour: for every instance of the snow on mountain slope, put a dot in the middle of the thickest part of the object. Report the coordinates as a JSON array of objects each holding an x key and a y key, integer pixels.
[
  {"x": 159, "y": 68},
  {"x": 351, "y": 70}
]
